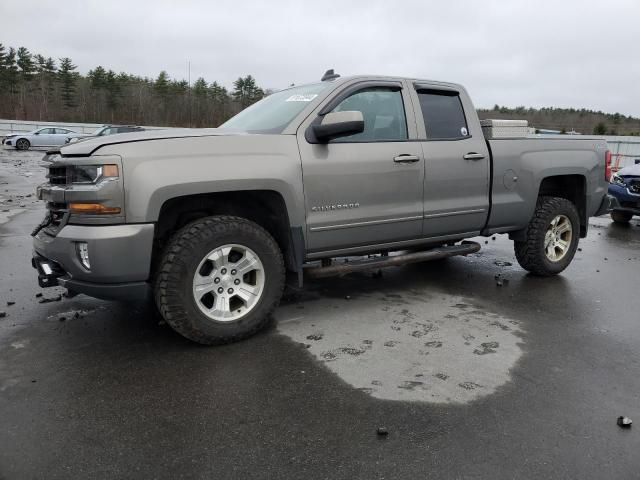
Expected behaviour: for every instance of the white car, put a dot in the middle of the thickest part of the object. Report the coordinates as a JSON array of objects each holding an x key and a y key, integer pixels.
[{"x": 43, "y": 137}]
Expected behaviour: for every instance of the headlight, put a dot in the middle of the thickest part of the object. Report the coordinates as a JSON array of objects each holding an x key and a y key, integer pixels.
[
  {"x": 617, "y": 180},
  {"x": 92, "y": 173},
  {"x": 51, "y": 157}
]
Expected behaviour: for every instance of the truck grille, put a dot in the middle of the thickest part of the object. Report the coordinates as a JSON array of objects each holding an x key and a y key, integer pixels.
[
  {"x": 54, "y": 220},
  {"x": 57, "y": 175},
  {"x": 56, "y": 213}
]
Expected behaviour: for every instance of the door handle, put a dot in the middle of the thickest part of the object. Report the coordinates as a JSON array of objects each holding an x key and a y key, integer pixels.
[
  {"x": 406, "y": 158},
  {"x": 473, "y": 156}
]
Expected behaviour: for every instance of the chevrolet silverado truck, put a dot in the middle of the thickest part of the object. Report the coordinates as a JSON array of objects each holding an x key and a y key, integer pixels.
[{"x": 209, "y": 222}]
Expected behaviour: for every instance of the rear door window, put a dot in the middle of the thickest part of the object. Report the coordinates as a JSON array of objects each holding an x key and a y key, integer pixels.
[{"x": 443, "y": 114}]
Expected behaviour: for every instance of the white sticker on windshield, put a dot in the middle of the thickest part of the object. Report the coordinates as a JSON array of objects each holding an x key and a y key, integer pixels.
[{"x": 301, "y": 98}]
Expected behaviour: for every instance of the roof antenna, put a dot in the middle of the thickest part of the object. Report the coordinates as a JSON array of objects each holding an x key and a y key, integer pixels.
[{"x": 329, "y": 75}]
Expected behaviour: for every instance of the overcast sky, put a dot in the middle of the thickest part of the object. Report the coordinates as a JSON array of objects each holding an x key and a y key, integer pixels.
[{"x": 533, "y": 53}]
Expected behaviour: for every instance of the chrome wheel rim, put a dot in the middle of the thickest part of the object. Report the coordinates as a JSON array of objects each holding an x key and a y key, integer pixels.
[
  {"x": 228, "y": 282},
  {"x": 558, "y": 238}
]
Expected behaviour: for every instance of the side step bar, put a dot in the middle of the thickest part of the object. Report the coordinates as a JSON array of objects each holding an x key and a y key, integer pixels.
[{"x": 464, "y": 248}]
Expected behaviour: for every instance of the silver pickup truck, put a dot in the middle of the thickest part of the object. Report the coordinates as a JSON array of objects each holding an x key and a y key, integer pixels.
[{"x": 210, "y": 221}]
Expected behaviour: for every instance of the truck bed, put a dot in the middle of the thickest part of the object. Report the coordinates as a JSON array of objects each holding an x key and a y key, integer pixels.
[{"x": 518, "y": 167}]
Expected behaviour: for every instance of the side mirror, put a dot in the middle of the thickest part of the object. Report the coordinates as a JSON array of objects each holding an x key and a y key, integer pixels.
[
  {"x": 36, "y": 133},
  {"x": 338, "y": 124}
]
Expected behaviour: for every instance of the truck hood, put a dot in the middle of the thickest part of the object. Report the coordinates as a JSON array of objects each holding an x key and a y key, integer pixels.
[
  {"x": 631, "y": 171},
  {"x": 88, "y": 146}
]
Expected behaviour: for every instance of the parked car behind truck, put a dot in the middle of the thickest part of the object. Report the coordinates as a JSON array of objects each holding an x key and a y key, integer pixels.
[
  {"x": 104, "y": 130},
  {"x": 43, "y": 137},
  {"x": 625, "y": 187},
  {"x": 209, "y": 221}
]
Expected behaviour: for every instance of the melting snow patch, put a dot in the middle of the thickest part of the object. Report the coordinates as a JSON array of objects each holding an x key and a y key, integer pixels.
[{"x": 442, "y": 350}]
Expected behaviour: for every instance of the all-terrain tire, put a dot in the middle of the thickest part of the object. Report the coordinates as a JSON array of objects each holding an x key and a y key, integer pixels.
[
  {"x": 621, "y": 216},
  {"x": 23, "y": 144},
  {"x": 173, "y": 285},
  {"x": 530, "y": 253}
]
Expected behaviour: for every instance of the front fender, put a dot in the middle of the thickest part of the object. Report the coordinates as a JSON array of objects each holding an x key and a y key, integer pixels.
[{"x": 159, "y": 170}]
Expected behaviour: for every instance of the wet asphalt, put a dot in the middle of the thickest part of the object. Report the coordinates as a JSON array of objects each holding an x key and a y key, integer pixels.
[{"x": 469, "y": 378}]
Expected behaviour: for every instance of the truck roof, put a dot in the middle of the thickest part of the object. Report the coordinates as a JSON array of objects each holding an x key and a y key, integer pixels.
[{"x": 345, "y": 79}]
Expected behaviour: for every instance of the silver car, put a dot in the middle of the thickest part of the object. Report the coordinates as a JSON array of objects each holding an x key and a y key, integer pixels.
[
  {"x": 102, "y": 131},
  {"x": 43, "y": 137}
]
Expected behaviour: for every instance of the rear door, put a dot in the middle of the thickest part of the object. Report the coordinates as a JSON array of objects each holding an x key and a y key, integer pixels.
[
  {"x": 60, "y": 136},
  {"x": 456, "y": 182},
  {"x": 365, "y": 189}
]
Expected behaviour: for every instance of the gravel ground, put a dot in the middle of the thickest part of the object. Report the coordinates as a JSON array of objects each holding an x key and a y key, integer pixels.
[{"x": 470, "y": 379}]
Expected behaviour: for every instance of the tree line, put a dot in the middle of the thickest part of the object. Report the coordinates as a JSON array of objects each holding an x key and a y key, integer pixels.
[
  {"x": 35, "y": 87},
  {"x": 587, "y": 122}
]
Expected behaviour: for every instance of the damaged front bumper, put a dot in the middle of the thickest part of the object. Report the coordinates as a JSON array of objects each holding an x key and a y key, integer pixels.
[{"x": 120, "y": 259}]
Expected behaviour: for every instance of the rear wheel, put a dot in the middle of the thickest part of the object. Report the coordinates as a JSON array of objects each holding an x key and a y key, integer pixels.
[
  {"x": 23, "y": 144},
  {"x": 551, "y": 237},
  {"x": 219, "y": 280},
  {"x": 620, "y": 216}
]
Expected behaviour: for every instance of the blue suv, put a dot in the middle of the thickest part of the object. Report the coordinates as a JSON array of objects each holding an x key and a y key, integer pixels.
[{"x": 625, "y": 186}]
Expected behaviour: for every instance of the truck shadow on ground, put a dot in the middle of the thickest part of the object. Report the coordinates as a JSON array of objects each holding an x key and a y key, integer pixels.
[
  {"x": 625, "y": 234},
  {"x": 474, "y": 277}
]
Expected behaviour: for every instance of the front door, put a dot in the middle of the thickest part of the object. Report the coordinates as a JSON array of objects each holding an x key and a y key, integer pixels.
[
  {"x": 43, "y": 138},
  {"x": 365, "y": 189},
  {"x": 456, "y": 183}
]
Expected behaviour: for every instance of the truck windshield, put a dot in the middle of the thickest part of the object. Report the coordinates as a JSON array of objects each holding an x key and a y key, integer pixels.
[{"x": 273, "y": 113}]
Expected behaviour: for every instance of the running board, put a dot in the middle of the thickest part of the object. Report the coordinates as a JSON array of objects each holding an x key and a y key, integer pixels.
[{"x": 464, "y": 248}]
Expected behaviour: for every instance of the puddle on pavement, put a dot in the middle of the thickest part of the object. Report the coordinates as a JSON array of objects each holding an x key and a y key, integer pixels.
[{"x": 440, "y": 349}]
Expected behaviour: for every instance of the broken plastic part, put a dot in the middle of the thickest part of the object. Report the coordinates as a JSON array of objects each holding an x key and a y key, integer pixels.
[{"x": 624, "y": 422}]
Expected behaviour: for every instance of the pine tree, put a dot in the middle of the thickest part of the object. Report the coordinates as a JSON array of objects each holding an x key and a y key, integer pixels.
[
  {"x": 26, "y": 73},
  {"x": 45, "y": 73},
  {"x": 68, "y": 79},
  {"x": 26, "y": 65},
  {"x": 246, "y": 91},
  {"x": 178, "y": 87},
  {"x": 114, "y": 91},
  {"x": 600, "y": 129},
  {"x": 218, "y": 93},
  {"x": 97, "y": 78},
  {"x": 161, "y": 85},
  {"x": 3, "y": 65},
  {"x": 200, "y": 88},
  {"x": 11, "y": 71}
]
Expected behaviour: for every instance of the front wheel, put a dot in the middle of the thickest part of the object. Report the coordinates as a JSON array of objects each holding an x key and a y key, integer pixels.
[
  {"x": 620, "y": 216},
  {"x": 551, "y": 237},
  {"x": 219, "y": 280},
  {"x": 23, "y": 144}
]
